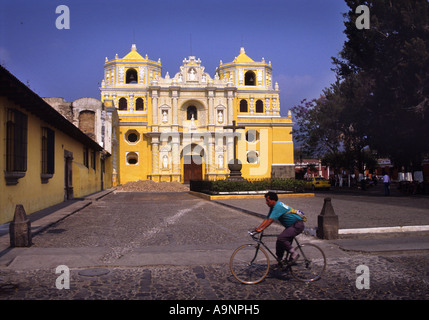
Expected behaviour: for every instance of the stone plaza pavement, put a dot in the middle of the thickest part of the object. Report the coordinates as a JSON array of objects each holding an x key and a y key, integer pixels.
[{"x": 176, "y": 246}]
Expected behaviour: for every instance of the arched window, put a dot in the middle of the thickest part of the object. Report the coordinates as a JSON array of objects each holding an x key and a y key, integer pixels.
[
  {"x": 192, "y": 110},
  {"x": 131, "y": 76},
  {"x": 259, "y": 106},
  {"x": 139, "y": 104},
  {"x": 243, "y": 106},
  {"x": 123, "y": 105},
  {"x": 250, "y": 78}
]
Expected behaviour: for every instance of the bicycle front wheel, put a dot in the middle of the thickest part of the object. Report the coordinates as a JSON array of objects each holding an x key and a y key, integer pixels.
[
  {"x": 311, "y": 263},
  {"x": 249, "y": 264}
]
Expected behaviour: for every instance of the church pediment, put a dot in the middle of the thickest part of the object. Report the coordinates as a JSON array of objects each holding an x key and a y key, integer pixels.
[
  {"x": 133, "y": 55},
  {"x": 192, "y": 72}
]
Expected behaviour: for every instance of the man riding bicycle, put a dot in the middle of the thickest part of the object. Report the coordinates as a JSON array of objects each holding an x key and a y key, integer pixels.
[{"x": 293, "y": 221}]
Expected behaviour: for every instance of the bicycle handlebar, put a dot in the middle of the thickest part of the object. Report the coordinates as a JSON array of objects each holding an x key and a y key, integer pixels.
[{"x": 254, "y": 234}]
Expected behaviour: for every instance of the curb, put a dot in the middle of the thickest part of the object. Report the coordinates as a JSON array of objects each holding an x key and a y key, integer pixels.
[
  {"x": 412, "y": 243},
  {"x": 397, "y": 229},
  {"x": 248, "y": 196}
]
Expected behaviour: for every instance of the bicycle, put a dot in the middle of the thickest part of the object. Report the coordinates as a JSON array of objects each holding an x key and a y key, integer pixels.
[{"x": 250, "y": 263}]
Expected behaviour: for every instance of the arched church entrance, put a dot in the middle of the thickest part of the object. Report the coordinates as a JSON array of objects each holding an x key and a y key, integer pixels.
[{"x": 192, "y": 156}]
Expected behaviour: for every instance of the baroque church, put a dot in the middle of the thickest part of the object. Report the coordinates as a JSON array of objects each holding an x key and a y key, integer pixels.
[{"x": 175, "y": 128}]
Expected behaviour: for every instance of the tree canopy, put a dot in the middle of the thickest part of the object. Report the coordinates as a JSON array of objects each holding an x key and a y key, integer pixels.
[{"x": 380, "y": 99}]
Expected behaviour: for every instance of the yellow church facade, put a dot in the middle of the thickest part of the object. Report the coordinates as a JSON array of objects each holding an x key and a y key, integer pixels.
[{"x": 172, "y": 128}]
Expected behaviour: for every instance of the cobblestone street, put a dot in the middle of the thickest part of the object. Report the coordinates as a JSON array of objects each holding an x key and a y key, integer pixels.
[
  {"x": 391, "y": 277},
  {"x": 175, "y": 246}
]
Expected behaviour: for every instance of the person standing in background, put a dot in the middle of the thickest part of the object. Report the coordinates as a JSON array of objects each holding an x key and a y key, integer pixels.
[{"x": 386, "y": 181}]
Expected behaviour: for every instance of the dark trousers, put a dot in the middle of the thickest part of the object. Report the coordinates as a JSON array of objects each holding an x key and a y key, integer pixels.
[
  {"x": 387, "y": 189},
  {"x": 284, "y": 240}
]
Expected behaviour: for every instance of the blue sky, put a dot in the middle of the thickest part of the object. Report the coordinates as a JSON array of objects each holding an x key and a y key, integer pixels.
[{"x": 298, "y": 37}]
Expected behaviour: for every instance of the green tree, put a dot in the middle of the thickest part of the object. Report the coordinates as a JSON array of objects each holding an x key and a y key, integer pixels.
[
  {"x": 389, "y": 65},
  {"x": 329, "y": 127}
]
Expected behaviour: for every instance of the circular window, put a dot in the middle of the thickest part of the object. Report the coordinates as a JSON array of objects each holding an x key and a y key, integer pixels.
[
  {"x": 252, "y": 135},
  {"x": 252, "y": 157},
  {"x": 132, "y": 158},
  {"x": 132, "y": 136}
]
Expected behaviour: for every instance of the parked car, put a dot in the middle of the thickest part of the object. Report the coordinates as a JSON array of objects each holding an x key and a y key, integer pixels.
[{"x": 318, "y": 183}]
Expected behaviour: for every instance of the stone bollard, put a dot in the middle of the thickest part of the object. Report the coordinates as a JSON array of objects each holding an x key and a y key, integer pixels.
[
  {"x": 20, "y": 228},
  {"x": 327, "y": 222}
]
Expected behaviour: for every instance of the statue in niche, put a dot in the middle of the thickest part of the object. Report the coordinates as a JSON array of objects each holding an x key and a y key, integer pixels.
[
  {"x": 220, "y": 116},
  {"x": 192, "y": 75},
  {"x": 165, "y": 162},
  {"x": 164, "y": 116},
  {"x": 220, "y": 161}
]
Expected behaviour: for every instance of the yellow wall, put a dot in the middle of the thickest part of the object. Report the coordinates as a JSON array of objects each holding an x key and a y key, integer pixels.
[
  {"x": 263, "y": 147},
  {"x": 282, "y": 146},
  {"x": 30, "y": 191},
  {"x": 139, "y": 171}
]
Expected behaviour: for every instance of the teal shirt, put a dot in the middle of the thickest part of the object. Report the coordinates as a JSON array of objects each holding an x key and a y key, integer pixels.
[{"x": 284, "y": 214}]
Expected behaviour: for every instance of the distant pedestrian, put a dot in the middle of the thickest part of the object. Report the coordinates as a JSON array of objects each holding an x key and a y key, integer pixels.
[{"x": 386, "y": 181}]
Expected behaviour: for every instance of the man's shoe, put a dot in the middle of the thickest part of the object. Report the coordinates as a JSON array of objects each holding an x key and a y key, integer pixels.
[{"x": 277, "y": 266}]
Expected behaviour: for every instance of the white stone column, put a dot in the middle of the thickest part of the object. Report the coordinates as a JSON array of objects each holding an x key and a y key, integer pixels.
[
  {"x": 175, "y": 154},
  {"x": 154, "y": 111},
  {"x": 230, "y": 148},
  {"x": 211, "y": 155},
  {"x": 174, "y": 120},
  {"x": 267, "y": 105},
  {"x": 211, "y": 110},
  {"x": 155, "y": 155},
  {"x": 230, "y": 108}
]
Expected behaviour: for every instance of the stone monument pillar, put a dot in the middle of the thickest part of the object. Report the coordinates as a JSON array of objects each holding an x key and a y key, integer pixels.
[
  {"x": 20, "y": 228},
  {"x": 327, "y": 222}
]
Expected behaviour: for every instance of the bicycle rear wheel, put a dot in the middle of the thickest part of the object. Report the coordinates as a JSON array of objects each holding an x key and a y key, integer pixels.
[
  {"x": 311, "y": 263},
  {"x": 249, "y": 264}
]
